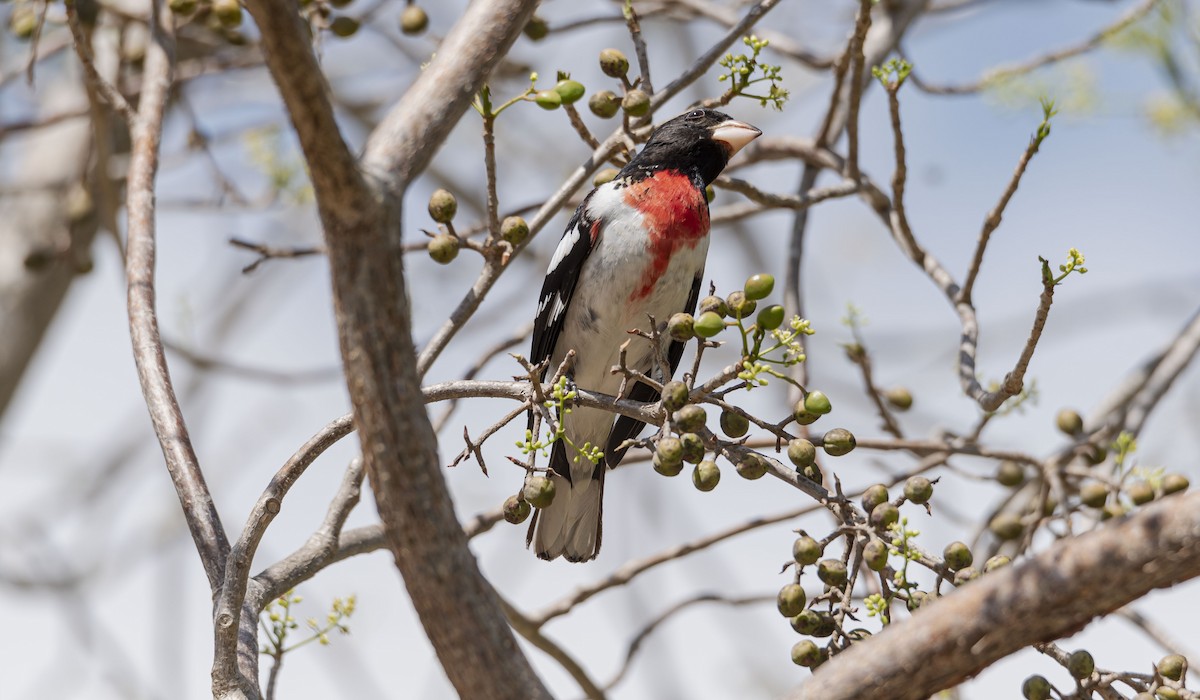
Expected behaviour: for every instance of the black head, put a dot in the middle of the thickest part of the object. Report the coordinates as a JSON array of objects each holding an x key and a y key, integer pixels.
[{"x": 698, "y": 143}]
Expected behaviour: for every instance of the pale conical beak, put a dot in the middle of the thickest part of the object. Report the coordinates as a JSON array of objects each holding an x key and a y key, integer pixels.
[{"x": 734, "y": 135}]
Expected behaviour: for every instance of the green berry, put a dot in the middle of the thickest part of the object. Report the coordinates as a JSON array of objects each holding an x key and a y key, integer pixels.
[
  {"x": 1093, "y": 494},
  {"x": 443, "y": 248},
  {"x": 666, "y": 468},
  {"x": 759, "y": 286},
  {"x": 957, "y": 556},
  {"x": 832, "y": 572},
  {"x": 413, "y": 20},
  {"x": 709, "y": 193},
  {"x": 791, "y": 600},
  {"x": 344, "y": 26},
  {"x": 636, "y": 103},
  {"x": 1069, "y": 421},
  {"x": 1080, "y": 664},
  {"x": 838, "y": 442},
  {"x": 884, "y": 515},
  {"x": 613, "y": 63},
  {"x": 964, "y": 575},
  {"x": 770, "y": 317},
  {"x": 570, "y": 91},
  {"x": 1172, "y": 666},
  {"x": 604, "y": 104},
  {"x": 681, "y": 327},
  {"x": 918, "y": 489},
  {"x": 806, "y": 653},
  {"x": 606, "y": 175},
  {"x": 228, "y": 13},
  {"x": 669, "y": 451},
  {"x": 1112, "y": 510},
  {"x": 693, "y": 447},
  {"x": 536, "y": 28},
  {"x": 516, "y": 510},
  {"x": 1036, "y": 688},
  {"x": 514, "y": 229},
  {"x": 751, "y": 467},
  {"x": 1006, "y": 526},
  {"x": 740, "y": 306},
  {"x": 825, "y": 625},
  {"x": 547, "y": 99},
  {"x": 875, "y": 554},
  {"x": 806, "y": 550},
  {"x": 708, "y": 324},
  {"x": 817, "y": 402},
  {"x": 182, "y": 7},
  {"x": 706, "y": 476},
  {"x": 1010, "y": 474},
  {"x": 1174, "y": 483},
  {"x": 689, "y": 418},
  {"x": 801, "y": 452},
  {"x": 899, "y": 397},
  {"x": 806, "y": 622},
  {"x": 813, "y": 473},
  {"x": 675, "y": 395},
  {"x": 1164, "y": 692},
  {"x": 1140, "y": 492},
  {"x": 873, "y": 496},
  {"x": 802, "y": 415},
  {"x": 442, "y": 206},
  {"x": 996, "y": 562},
  {"x": 714, "y": 304},
  {"x": 538, "y": 491},
  {"x": 733, "y": 424}
]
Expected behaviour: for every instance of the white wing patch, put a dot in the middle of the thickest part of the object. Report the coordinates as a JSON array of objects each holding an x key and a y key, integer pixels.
[{"x": 569, "y": 241}]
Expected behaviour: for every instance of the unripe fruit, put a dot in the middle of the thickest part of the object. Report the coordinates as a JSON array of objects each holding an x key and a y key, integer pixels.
[
  {"x": 751, "y": 467},
  {"x": 693, "y": 448},
  {"x": 859, "y": 634},
  {"x": 832, "y": 572},
  {"x": 791, "y": 600},
  {"x": 1140, "y": 492},
  {"x": 759, "y": 286},
  {"x": 709, "y": 193},
  {"x": 1080, "y": 664},
  {"x": 228, "y": 13},
  {"x": 740, "y": 306},
  {"x": 442, "y": 206},
  {"x": 413, "y": 20},
  {"x": 182, "y": 7},
  {"x": 715, "y": 304},
  {"x": 708, "y": 324},
  {"x": 1093, "y": 494},
  {"x": 516, "y": 510},
  {"x": 606, "y": 175},
  {"x": 570, "y": 91},
  {"x": 344, "y": 26},
  {"x": 1036, "y": 688},
  {"x": 666, "y": 468},
  {"x": 996, "y": 562},
  {"x": 733, "y": 424},
  {"x": 674, "y": 395},
  {"x": 806, "y": 622},
  {"x": 23, "y": 22},
  {"x": 806, "y": 550},
  {"x": 604, "y": 104},
  {"x": 443, "y": 248},
  {"x": 548, "y": 99},
  {"x": 514, "y": 229},
  {"x": 873, "y": 496},
  {"x": 825, "y": 625},
  {"x": 964, "y": 575},
  {"x": 1166, "y": 693},
  {"x": 613, "y": 63},
  {"x": 689, "y": 419},
  {"x": 636, "y": 103},
  {"x": 1010, "y": 473},
  {"x": 801, "y": 414},
  {"x": 1006, "y": 526},
  {"x": 1069, "y": 421},
  {"x": 918, "y": 489},
  {"x": 957, "y": 556},
  {"x": 1174, "y": 483},
  {"x": 1172, "y": 666},
  {"x": 801, "y": 452},
  {"x": 706, "y": 476},
  {"x": 884, "y": 515},
  {"x": 899, "y": 397},
  {"x": 817, "y": 402},
  {"x": 536, "y": 28},
  {"x": 875, "y": 554},
  {"x": 770, "y": 317},
  {"x": 1112, "y": 510},
  {"x": 681, "y": 327},
  {"x": 538, "y": 491},
  {"x": 813, "y": 473},
  {"x": 806, "y": 653},
  {"x": 669, "y": 450},
  {"x": 838, "y": 442}
]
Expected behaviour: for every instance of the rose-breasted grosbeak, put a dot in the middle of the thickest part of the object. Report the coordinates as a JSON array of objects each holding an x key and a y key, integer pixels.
[{"x": 635, "y": 248}]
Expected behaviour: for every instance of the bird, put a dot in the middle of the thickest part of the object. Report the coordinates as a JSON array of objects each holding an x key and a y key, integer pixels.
[{"x": 635, "y": 249}]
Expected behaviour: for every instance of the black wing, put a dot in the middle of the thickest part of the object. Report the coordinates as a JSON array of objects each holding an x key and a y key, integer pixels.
[
  {"x": 627, "y": 427},
  {"x": 573, "y": 249}
]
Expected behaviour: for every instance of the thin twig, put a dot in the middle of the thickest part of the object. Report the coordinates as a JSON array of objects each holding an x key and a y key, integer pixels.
[{"x": 83, "y": 49}]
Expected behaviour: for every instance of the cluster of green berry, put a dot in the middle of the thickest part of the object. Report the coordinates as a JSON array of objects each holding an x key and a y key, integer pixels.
[
  {"x": 1166, "y": 683},
  {"x": 443, "y": 246}
]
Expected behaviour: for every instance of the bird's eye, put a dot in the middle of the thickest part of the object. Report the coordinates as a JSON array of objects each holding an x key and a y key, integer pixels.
[{"x": 698, "y": 114}]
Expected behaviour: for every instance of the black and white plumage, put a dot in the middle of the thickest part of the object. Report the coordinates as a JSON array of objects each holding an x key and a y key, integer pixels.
[{"x": 635, "y": 248}]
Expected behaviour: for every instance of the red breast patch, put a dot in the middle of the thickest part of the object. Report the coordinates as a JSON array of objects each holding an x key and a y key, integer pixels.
[{"x": 676, "y": 215}]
